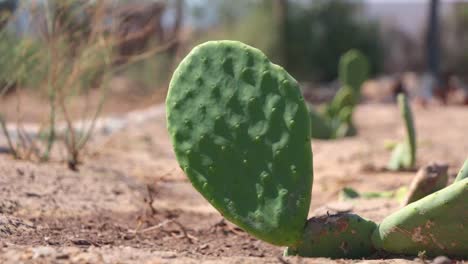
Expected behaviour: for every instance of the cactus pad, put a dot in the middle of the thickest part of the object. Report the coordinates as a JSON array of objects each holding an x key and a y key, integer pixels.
[
  {"x": 337, "y": 120},
  {"x": 241, "y": 133},
  {"x": 436, "y": 224},
  {"x": 353, "y": 70},
  {"x": 336, "y": 236},
  {"x": 404, "y": 154}
]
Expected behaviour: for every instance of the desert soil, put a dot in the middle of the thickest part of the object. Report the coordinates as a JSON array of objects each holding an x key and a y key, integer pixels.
[{"x": 130, "y": 203}]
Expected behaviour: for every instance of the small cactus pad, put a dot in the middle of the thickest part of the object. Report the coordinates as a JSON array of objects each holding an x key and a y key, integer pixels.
[
  {"x": 429, "y": 179},
  {"x": 336, "y": 236},
  {"x": 241, "y": 132},
  {"x": 320, "y": 125},
  {"x": 353, "y": 70},
  {"x": 404, "y": 154},
  {"x": 436, "y": 224},
  {"x": 463, "y": 173},
  {"x": 338, "y": 114}
]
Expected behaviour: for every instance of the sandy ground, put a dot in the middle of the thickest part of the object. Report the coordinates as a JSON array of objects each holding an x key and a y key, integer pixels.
[{"x": 130, "y": 203}]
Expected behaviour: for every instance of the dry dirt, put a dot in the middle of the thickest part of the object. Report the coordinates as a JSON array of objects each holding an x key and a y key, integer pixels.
[{"x": 130, "y": 203}]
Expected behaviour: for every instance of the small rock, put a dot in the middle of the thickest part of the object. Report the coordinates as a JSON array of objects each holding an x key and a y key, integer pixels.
[{"x": 442, "y": 260}]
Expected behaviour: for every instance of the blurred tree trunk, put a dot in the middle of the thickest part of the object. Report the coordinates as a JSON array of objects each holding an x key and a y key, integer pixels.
[
  {"x": 280, "y": 16},
  {"x": 433, "y": 52},
  {"x": 175, "y": 34},
  {"x": 175, "y": 37}
]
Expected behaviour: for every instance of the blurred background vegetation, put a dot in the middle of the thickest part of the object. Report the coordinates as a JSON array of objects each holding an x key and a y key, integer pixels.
[
  {"x": 60, "y": 60},
  {"x": 307, "y": 37}
]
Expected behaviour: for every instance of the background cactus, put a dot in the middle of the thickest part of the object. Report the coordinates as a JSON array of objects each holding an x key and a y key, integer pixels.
[
  {"x": 404, "y": 153},
  {"x": 336, "y": 236},
  {"x": 435, "y": 224},
  {"x": 338, "y": 114},
  {"x": 321, "y": 127},
  {"x": 463, "y": 173},
  {"x": 353, "y": 71},
  {"x": 241, "y": 132}
]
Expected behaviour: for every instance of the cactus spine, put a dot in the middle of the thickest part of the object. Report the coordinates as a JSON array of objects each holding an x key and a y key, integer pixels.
[{"x": 404, "y": 153}]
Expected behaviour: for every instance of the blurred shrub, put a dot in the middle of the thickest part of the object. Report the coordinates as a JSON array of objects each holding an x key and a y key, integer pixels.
[
  {"x": 317, "y": 33},
  {"x": 151, "y": 73},
  {"x": 7, "y": 8},
  {"x": 321, "y": 30},
  {"x": 454, "y": 40},
  {"x": 68, "y": 58},
  {"x": 21, "y": 61}
]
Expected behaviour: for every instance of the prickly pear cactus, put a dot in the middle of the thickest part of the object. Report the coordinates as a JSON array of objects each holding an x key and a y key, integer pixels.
[
  {"x": 436, "y": 224},
  {"x": 353, "y": 71},
  {"x": 241, "y": 132},
  {"x": 429, "y": 179},
  {"x": 343, "y": 98},
  {"x": 336, "y": 236},
  {"x": 338, "y": 115},
  {"x": 404, "y": 154},
  {"x": 463, "y": 173}
]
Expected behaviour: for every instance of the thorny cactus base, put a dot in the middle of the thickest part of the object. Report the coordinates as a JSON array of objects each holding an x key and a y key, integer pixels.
[{"x": 336, "y": 236}]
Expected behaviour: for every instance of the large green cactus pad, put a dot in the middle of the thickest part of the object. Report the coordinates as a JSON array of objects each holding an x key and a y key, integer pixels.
[
  {"x": 336, "y": 236},
  {"x": 436, "y": 224},
  {"x": 241, "y": 132}
]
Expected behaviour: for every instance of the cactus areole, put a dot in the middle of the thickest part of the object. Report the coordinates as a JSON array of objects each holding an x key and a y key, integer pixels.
[{"x": 241, "y": 133}]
